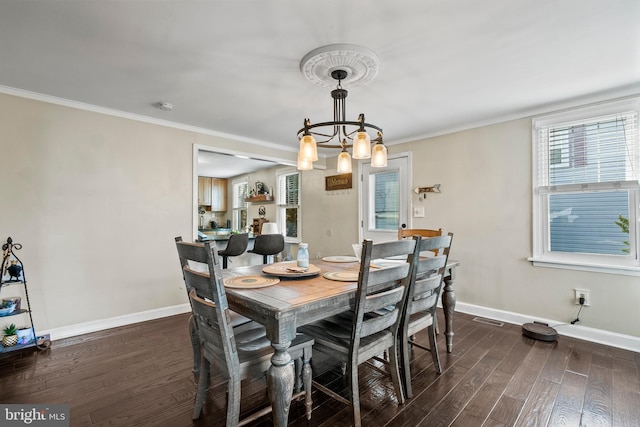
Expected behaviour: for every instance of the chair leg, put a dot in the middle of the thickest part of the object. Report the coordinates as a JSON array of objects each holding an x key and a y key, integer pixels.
[
  {"x": 203, "y": 385},
  {"x": 195, "y": 345},
  {"x": 405, "y": 352},
  {"x": 434, "y": 348},
  {"x": 265, "y": 259},
  {"x": 224, "y": 261},
  {"x": 306, "y": 380},
  {"x": 233, "y": 400},
  {"x": 394, "y": 367},
  {"x": 355, "y": 394},
  {"x": 298, "y": 366}
]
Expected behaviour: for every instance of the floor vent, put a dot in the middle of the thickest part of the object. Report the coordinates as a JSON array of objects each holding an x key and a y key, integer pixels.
[{"x": 488, "y": 321}]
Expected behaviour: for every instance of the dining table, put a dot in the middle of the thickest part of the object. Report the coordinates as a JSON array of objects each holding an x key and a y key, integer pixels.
[{"x": 299, "y": 299}]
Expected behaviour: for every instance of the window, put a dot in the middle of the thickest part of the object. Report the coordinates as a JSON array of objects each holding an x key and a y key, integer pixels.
[
  {"x": 239, "y": 206},
  {"x": 586, "y": 187},
  {"x": 385, "y": 203},
  {"x": 288, "y": 199}
]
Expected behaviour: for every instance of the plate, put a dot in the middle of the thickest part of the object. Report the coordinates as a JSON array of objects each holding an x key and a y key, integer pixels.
[
  {"x": 250, "y": 282},
  {"x": 290, "y": 269},
  {"x": 340, "y": 258},
  {"x": 386, "y": 263},
  {"x": 342, "y": 276}
]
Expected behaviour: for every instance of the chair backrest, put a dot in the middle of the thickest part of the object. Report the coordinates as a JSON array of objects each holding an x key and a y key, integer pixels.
[
  {"x": 268, "y": 244},
  {"x": 381, "y": 290},
  {"x": 423, "y": 232},
  {"x": 237, "y": 244},
  {"x": 428, "y": 275},
  {"x": 209, "y": 302}
]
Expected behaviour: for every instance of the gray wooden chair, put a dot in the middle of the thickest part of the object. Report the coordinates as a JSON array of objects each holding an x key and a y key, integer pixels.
[
  {"x": 373, "y": 326},
  {"x": 237, "y": 352},
  {"x": 236, "y": 245},
  {"x": 189, "y": 255},
  {"x": 422, "y": 299},
  {"x": 268, "y": 244}
]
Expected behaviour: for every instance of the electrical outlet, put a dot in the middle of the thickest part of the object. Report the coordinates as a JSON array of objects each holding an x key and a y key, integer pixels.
[
  {"x": 418, "y": 211},
  {"x": 318, "y": 255},
  {"x": 583, "y": 293}
]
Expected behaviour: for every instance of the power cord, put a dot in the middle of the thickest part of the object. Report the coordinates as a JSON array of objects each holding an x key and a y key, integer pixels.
[{"x": 577, "y": 319}]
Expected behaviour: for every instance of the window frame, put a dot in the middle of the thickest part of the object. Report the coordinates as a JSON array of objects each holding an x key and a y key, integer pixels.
[
  {"x": 542, "y": 254},
  {"x": 237, "y": 210},
  {"x": 281, "y": 174}
]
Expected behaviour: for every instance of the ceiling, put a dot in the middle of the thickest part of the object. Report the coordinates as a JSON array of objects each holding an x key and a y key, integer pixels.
[{"x": 233, "y": 67}]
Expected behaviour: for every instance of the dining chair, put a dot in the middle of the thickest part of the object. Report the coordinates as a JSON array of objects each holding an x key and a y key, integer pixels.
[
  {"x": 422, "y": 299},
  {"x": 191, "y": 255},
  {"x": 356, "y": 336},
  {"x": 236, "y": 245},
  {"x": 237, "y": 352},
  {"x": 268, "y": 244}
]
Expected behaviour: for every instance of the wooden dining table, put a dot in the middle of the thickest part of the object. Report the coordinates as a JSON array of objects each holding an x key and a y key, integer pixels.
[{"x": 297, "y": 301}]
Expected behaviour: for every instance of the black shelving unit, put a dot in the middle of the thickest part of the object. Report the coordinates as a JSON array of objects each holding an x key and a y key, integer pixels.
[{"x": 12, "y": 276}]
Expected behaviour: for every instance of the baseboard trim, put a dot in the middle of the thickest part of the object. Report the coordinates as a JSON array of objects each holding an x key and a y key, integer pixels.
[
  {"x": 114, "y": 322},
  {"x": 613, "y": 339}
]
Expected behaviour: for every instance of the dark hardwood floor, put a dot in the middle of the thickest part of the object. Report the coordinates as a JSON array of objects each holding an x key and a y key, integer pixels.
[{"x": 140, "y": 375}]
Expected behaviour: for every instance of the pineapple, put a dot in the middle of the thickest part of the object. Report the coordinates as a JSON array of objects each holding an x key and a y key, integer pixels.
[{"x": 10, "y": 337}]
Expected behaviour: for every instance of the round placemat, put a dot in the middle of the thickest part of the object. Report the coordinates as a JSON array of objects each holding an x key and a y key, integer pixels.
[
  {"x": 342, "y": 276},
  {"x": 250, "y": 282},
  {"x": 290, "y": 269}
]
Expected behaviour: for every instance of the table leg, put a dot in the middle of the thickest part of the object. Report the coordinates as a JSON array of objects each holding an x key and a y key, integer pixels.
[
  {"x": 280, "y": 380},
  {"x": 448, "y": 306}
]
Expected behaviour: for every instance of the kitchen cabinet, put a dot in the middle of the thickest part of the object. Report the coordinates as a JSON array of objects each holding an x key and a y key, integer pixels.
[
  {"x": 212, "y": 192},
  {"x": 218, "y": 194},
  {"x": 204, "y": 191}
]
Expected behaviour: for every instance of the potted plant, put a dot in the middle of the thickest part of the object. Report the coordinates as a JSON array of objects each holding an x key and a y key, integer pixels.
[{"x": 10, "y": 337}]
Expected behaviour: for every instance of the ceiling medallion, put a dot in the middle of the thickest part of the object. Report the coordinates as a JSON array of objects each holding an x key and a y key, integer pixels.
[{"x": 361, "y": 64}]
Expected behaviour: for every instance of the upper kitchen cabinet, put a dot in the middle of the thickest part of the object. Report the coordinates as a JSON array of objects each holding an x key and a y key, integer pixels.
[
  {"x": 218, "y": 194},
  {"x": 212, "y": 192},
  {"x": 204, "y": 191}
]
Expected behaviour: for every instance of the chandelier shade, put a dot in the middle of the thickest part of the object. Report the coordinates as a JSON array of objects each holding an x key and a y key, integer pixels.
[{"x": 357, "y": 135}]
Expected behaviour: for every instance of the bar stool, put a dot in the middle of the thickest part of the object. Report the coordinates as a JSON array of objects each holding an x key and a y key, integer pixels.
[
  {"x": 236, "y": 245},
  {"x": 268, "y": 244}
]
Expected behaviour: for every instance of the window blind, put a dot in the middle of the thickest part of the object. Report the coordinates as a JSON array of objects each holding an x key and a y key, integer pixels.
[
  {"x": 288, "y": 190},
  {"x": 600, "y": 150},
  {"x": 239, "y": 194}
]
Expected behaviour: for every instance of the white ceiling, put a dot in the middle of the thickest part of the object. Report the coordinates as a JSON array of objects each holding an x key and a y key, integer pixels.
[{"x": 233, "y": 66}]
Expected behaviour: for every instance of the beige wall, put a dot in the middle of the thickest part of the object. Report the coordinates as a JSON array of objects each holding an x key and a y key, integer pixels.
[
  {"x": 486, "y": 201},
  {"x": 96, "y": 201}
]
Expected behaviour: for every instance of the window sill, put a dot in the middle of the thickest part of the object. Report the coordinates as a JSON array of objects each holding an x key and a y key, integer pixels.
[{"x": 608, "y": 269}]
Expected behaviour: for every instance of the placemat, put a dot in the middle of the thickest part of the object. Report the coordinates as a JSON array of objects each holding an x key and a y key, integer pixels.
[
  {"x": 340, "y": 258},
  {"x": 290, "y": 269},
  {"x": 250, "y": 282},
  {"x": 342, "y": 276}
]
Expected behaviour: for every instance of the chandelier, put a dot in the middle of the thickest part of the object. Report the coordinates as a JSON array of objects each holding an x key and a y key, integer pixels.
[{"x": 340, "y": 62}]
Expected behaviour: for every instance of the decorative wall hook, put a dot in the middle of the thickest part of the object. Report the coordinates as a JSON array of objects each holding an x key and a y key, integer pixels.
[{"x": 424, "y": 190}]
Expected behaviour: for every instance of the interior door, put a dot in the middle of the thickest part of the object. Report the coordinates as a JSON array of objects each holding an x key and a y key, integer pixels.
[{"x": 384, "y": 198}]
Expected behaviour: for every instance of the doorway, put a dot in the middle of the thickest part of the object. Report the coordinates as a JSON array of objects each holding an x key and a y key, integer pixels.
[{"x": 384, "y": 198}]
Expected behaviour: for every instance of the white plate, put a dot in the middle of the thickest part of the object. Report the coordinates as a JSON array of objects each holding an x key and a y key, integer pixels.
[{"x": 340, "y": 258}]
